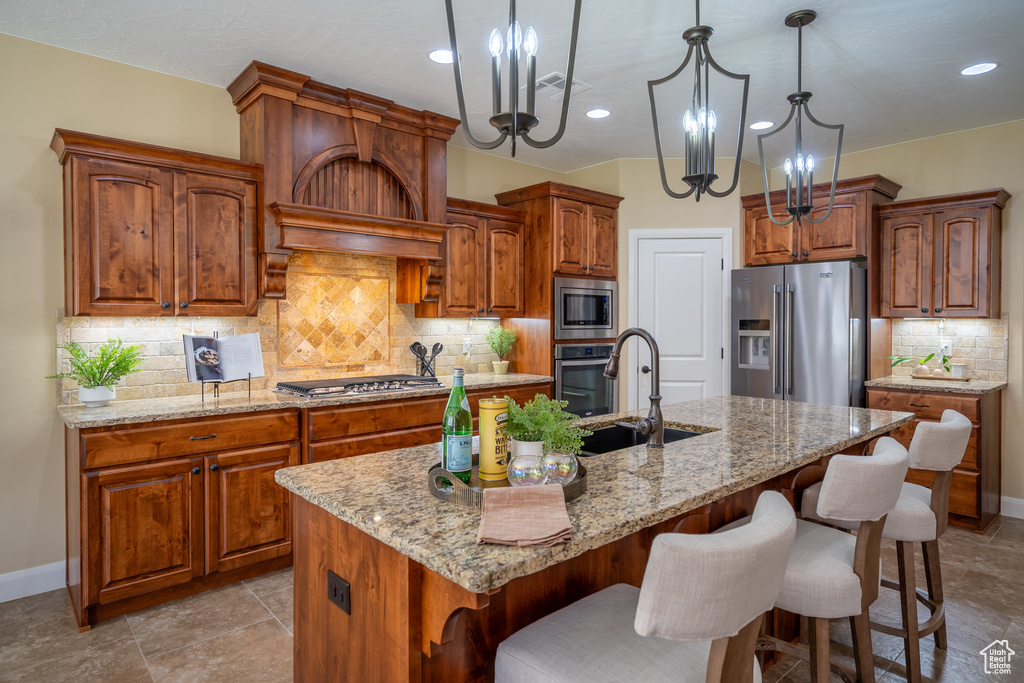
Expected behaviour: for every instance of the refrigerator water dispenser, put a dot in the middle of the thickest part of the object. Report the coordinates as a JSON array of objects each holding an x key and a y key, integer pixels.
[{"x": 754, "y": 344}]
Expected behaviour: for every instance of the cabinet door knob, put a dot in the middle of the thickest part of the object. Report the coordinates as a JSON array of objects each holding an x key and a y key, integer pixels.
[
  {"x": 794, "y": 254},
  {"x": 214, "y": 467},
  {"x": 805, "y": 252},
  {"x": 489, "y": 310},
  {"x": 183, "y": 305},
  {"x": 924, "y": 310},
  {"x": 645, "y": 369},
  {"x": 481, "y": 310},
  {"x": 938, "y": 310},
  {"x": 197, "y": 470},
  {"x": 166, "y": 304}
]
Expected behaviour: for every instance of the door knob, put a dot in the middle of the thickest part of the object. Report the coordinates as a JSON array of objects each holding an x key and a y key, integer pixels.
[
  {"x": 166, "y": 304},
  {"x": 183, "y": 305},
  {"x": 214, "y": 467},
  {"x": 645, "y": 369},
  {"x": 196, "y": 470},
  {"x": 481, "y": 310},
  {"x": 924, "y": 310},
  {"x": 938, "y": 310},
  {"x": 805, "y": 252}
]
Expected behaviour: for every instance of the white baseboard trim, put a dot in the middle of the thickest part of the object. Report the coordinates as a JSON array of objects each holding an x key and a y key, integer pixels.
[
  {"x": 25, "y": 582},
  {"x": 1012, "y": 507}
]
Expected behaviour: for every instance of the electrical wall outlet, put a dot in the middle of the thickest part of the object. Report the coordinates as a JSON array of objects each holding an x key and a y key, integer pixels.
[
  {"x": 945, "y": 349},
  {"x": 467, "y": 346},
  {"x": 338, "y": 592}
]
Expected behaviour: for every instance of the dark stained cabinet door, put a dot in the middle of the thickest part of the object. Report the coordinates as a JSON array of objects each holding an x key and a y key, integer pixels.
[
  {"x": 214, "y": 220},
  {"x": 121, "y": 257},
  {"x": 961, "y": 248},
  {"x": 504, "y": 266},
  {"x": 247, "y": 517},
  {"x": 463, "y": 281},
  {"x": 603, "y": 241},
  {"x": 766, "y": 243},
  {"x": 570, "y": 233},
  {"x": 842, "y": 235},
  {"x": 144, "y": 529},
  {"x": 907, "y": 267}
]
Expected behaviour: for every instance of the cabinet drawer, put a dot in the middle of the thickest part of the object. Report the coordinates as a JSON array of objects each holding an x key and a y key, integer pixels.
[
  {"x": 369, "y": 418},
  {"x": 107, "y": 446},
  {"x": 905, "y": 433},
  {"x": 349, "y": 446},
  {"x": 963, "y": 490},
  {"x": 924, "y": 403}
]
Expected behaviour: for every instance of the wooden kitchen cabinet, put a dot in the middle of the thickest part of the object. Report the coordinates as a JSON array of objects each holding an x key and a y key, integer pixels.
[
  {"x": 483, "y": 264},
  {"x": 941, "y": 256},
  {"x": 157, "y": 511},
  {"x": 974, "y": 497},
  {"x": 848, "y": 232},
  {"x": 571, "y": 231},
  {"x": 151, "y": 231}
]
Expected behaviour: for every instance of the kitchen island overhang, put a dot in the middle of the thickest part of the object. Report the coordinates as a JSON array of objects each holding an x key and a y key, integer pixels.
[{"x": 428, "y": 603}]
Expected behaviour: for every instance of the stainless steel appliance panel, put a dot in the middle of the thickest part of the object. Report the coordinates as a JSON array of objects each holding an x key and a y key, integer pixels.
[
  {"x": 756, "y": 330},
  {"x": 824, "y": 322},
  {"x": 580, "y": 380},
  {"x": 584, "y": 308}
]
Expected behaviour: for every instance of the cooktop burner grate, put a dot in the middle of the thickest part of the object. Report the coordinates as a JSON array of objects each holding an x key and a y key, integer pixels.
[{"x": 350, "y": 386}]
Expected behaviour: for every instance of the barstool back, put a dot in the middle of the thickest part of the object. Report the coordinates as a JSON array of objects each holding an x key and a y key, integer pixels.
[{"x": 940, "y": 446}]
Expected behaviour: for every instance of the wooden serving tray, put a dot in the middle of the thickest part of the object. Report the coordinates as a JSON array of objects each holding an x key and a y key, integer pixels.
[{"x": 472, "y": 495}]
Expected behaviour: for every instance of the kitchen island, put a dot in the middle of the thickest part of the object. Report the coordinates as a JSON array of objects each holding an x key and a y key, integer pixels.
[{"x": 426, "y": 603}]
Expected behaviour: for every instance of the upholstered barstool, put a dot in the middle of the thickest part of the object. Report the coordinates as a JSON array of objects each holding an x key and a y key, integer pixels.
[
  {"x": 695, "y": 618},
  {"x": 832, "y": 574},
  {"x": 919, "y": 517}
]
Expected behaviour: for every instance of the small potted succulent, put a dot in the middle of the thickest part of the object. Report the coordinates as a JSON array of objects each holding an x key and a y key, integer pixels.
[
  {"x": 544, "y": 441},
  {"x": 922, "y": 369},
  {"x": 97, "y": 374},
  {"x": 501, "y": 339}
]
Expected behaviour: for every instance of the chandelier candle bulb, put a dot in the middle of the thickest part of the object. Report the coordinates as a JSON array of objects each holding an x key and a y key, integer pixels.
[
  {"x": 495, "y": 47},
  {"x": 493, "y": 439}
]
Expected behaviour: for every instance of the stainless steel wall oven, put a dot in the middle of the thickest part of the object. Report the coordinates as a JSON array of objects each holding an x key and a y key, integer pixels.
[{"x": 580, "y": 380}]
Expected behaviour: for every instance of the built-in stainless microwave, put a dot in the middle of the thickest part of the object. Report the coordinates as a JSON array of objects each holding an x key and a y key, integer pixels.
[{"x": 584, "y": 309}]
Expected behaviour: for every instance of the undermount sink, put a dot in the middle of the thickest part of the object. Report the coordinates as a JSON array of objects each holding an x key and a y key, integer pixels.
[{"x": 608, "y": 439}]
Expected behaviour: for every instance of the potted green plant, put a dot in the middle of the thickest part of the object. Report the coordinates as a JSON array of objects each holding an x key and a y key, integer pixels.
[
  {"x": 544, "y": 441},
  {"x": 922, "y": 369},
  {"x": 97, "y": 374},
  {"x": 500, "y": 339}
]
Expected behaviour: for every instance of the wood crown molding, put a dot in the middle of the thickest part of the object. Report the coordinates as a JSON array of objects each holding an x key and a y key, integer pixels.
[
  {"x": 995, "y": 197},
  {"x": 319, "y": 229},
  {"x": 471, "y": 208},
  {"x": 68, "y": 142},
  {"x": 260, "y": 79},
  {"x": 553, "y": 189},
  {"x": 878, "y": 183}
]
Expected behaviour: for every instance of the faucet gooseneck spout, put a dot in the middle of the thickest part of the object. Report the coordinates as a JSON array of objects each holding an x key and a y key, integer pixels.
[{"x": 654, "y": 424}]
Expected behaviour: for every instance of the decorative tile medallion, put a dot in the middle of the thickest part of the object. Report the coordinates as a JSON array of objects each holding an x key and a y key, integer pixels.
[{"x": 333, "y": 320}]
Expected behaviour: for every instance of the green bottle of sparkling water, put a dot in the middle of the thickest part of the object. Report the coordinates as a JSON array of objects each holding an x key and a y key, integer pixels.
[{"x": 457, "y": 431}]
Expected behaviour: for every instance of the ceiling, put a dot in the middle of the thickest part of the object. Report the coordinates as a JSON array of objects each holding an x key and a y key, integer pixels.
[{"x": 888, "y": 69}]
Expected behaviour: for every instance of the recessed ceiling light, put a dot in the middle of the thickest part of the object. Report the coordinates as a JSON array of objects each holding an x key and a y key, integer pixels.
[
  {"x": 976, "y": 69},
  {"x": 598, "y": 113},
  {"x": 441, "y": 56},
  {"x": 761, "y": 125}
]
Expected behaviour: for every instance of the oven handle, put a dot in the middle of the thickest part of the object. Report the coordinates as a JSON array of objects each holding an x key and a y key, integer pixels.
[{"x": 583, "y": 361}]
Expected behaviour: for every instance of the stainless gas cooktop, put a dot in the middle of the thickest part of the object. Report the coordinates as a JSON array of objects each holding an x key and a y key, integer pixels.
[{"x": 352, "y": 386}]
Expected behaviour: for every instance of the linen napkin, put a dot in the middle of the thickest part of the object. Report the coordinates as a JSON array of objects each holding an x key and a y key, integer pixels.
[{"x": 525, "y": 516}]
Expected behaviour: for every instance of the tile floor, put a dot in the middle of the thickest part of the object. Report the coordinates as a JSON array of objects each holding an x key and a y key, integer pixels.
[{"x": 242, "y": 632}]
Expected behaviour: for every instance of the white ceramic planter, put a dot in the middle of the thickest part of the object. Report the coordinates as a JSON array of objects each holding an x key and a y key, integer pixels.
[
  {"x": 500, "y": 367},
  {"x": 96, "y": 397}
]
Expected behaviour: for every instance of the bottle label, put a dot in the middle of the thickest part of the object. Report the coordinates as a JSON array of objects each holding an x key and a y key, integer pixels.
[
  {"x": 465, "y": 403},
  {"x": 458, "y": 452}
]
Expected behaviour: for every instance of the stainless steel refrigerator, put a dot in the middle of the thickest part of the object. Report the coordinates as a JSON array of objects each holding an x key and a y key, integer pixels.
[{"x": 799, "y": 332}]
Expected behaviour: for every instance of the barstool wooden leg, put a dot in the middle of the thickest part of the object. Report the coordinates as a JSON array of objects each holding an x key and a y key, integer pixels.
[
  {"x": 908, "y": 606},
  {"x": 860, "y": 627},
  {"x": 933, "y": 577},
  {"x": 818, "y": 635}
]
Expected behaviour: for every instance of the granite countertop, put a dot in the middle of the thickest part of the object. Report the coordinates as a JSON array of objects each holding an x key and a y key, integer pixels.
[
  {"x": 744, "y": 441},
  {"x": 972, "y": 386},
  {"x": 178, "y": 407}
]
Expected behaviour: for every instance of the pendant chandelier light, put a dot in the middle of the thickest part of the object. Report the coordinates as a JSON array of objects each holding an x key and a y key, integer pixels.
[
  {"x": 700, "y": 121},
  {"x": 512, "y": 123},
  {"x": 800, "y": 167}
]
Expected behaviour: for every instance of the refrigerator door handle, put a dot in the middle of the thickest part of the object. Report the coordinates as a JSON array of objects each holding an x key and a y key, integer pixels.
[
  {"x": 773, "y": 339},
  {"x": 790, "y": 304}
]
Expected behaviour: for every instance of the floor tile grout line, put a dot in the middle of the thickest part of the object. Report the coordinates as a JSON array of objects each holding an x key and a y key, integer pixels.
[
  {"x": 272, "y": 613},
  {"x": 204, "y": 640},
  {"x": 139, "y": 646}
]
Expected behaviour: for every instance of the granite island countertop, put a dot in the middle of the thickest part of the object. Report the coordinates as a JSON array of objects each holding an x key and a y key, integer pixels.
[
  {"x": 744, "y": 441},
  {"x": 972, "y": 386},
  {"x": 78, "y": 416}
]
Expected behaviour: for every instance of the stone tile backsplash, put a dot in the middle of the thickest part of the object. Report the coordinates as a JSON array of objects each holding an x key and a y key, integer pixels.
[
  {"x": 980, "y": 343},
  {"x": 163, "y": 372}
]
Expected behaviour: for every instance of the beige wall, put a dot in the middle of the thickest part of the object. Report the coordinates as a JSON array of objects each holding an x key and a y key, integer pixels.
[{"x": 974, "y": 160}]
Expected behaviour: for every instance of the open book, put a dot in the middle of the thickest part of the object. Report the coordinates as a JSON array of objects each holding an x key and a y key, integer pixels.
[{"x": 223, "y": 359}]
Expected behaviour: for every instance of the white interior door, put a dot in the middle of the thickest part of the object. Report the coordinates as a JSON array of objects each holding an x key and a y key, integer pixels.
[{"x": 680, "y": 302}]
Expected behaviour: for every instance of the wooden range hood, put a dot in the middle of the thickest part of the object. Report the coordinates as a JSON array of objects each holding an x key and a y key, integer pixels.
[{"x": 343, "y": 171}]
